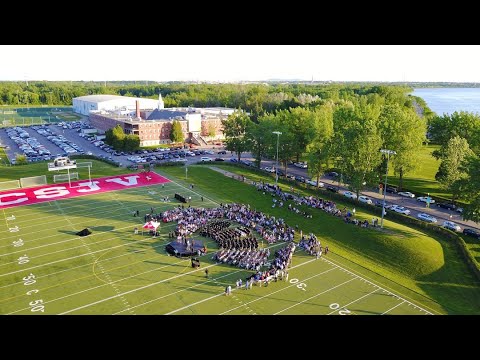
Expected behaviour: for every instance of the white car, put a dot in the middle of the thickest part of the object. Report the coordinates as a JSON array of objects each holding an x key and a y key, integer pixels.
[
  {"x": 314, "y": 183},
  {"x": 424, "y": 199},
  {"x": 350, "y": 195},
  {"x": 365, "y": 199},
  {"x": 450, "y": 225},
  {"x": 406, "y": 194},
  {"x": 400, "y": 209},
  {"x": 270, "y": 169},
  {"x": 301, "y": 165},
  {"x": 427, "y": 218},
  {"x": 205, "y": 158}
]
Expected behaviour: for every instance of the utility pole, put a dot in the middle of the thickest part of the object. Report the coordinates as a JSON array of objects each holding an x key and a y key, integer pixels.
[
  {"x": 388, "y": 152},
  {"x": 278, "y": 133}
]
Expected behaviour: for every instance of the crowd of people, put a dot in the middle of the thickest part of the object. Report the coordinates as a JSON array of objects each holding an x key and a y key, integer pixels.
[
  {"x": 189, "y": 220},
  {"x": 244, "y": 258},
  {"x": 310, "y": 244}
]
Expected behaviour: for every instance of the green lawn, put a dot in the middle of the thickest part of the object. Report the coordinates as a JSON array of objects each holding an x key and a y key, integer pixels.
[
  {"x": 422, "y": 180},
  {"x": 427, "y": 266},
  {"x": 114, "y": 271},
  {"x": 35, "y": 115}
]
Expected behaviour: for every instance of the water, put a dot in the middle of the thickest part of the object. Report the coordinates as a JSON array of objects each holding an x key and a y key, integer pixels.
[{"x": 449, "y": 100}]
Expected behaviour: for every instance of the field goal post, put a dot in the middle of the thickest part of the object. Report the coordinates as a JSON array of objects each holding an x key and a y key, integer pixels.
[
  {"x": 11, "y": 184},
  {"x": 87, "y": 164},
  {"x": 62, "y": 177},
  {"x": 33, "y": 181}
]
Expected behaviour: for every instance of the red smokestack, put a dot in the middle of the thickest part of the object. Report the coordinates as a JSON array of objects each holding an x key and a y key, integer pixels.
[{"x": 137, "y": 106}]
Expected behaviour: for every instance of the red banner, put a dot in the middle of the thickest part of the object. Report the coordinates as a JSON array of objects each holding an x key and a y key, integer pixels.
[{"x": 35, "y": 195}]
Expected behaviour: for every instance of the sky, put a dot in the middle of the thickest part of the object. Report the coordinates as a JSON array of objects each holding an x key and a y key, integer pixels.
[{"x": 231, "y": 63}]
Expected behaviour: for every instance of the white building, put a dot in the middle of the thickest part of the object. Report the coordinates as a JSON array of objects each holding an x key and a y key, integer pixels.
[{"x": 85, "y": 104}]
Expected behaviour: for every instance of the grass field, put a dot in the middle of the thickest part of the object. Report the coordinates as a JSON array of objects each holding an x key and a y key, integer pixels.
[
  {"x": 35, "y": 115},
  {"x": 114, "y": 271},
  {"x": 422, "y": 180}
]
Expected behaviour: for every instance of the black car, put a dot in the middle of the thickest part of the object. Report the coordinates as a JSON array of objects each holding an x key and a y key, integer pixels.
[
  {"x": 392, "y": 189},
  {"x": 219, "y": 159},
  {"x": 222, "y": 152},
  {"x": 333, "y": 174},
  {"x": 448, "y": 206},
  {"x": 471, "y": 232},
  {"x": 332, "y": 188},
  {"x": 300, "y": 178}
]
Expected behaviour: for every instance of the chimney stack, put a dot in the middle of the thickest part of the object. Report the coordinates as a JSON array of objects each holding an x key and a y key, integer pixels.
[{"x": 137, "y": 107}]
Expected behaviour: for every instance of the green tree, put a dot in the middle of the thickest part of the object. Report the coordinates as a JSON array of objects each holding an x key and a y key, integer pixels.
[
  {"x": 176, "y": 135},
  {"x": 260, "y": 137},
  {"x": 131, "y": 142},
  {"x": 21, "y": 159},
  {"x": 468, "y": 188},
  {"x": 234, "y": 128},
  {"x": 301, "y": 125},
  {"x": 463, "y": 124},
  {"x": 403, "y": 131},
  {"x": 355, "y": 145},
  {"x": 451, "y": 168},
  {"x": 318, "y": 151}
]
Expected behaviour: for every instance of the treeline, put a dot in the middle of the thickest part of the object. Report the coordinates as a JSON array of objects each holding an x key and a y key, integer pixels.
[
  {"x": 116, "y": 138},
  {"x": 257, "y": 99},
  {"x": 344, "y": 134},
  {"x": 459, "y": 171}
]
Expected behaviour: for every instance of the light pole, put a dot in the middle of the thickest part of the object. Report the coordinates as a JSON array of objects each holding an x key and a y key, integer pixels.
[
  {"x": 278, "y": 133},
  {"x": 388, "y": 152}
]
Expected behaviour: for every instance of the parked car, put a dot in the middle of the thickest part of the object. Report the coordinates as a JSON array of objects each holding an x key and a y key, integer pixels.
[
  {"x": 222, "y": 152},
  {"x": 450, "y": 225},
  {"x": 219, "y": 159},
  {"x": 365, "y": 199},
  {"x": 471, "y": 232},
  {"x": 350, "y": 195},
  {"x": 399, "y": 209},
  {"x": 332, "y": 174},
  {"x": 269, "y": 169},
  {"x": 424, "y": 199},
  {"x": 391, "y": 189},
  {"x": 448, "y": 206},
  {"x": 406, "y": 194},
  {"x": 314, "y": 183},
  {"x": 205, "y": 158},
  {"x": 301, "y": 165},
  {"x": 332, "y": 188},
  {"x": 300, "y": 178},
  {"x": 427, "y": 218}
]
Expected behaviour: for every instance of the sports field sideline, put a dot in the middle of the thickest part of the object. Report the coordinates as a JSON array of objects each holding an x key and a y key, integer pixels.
[{"x": 46, "y": 269}]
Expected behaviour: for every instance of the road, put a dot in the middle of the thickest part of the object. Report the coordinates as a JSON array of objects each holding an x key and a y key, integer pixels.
[{"x": 412, "y": 204}]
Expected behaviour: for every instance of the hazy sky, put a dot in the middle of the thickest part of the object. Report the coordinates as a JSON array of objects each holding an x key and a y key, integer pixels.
[{"x": 456, "y": 63}]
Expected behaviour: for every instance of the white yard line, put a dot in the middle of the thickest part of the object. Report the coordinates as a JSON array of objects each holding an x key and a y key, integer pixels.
[
  {"x": 371, "y": 283},
  {"x": 394, "y": 307},
  {"x": 352, "y": 302},
  {"x": 179, "y": 291},
  {"x": 88, "y": 213},
  {"x": 282, "y": 289},
  {"x": 101, "y": 261},
  {"x": 70, "y": 258},
  {"x": 314, "y": 296},
  {"x": 134, "y": 290}
]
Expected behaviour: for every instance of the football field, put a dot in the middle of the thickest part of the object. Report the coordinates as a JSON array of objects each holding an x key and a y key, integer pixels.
[{"x": 45, "y": 268}]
